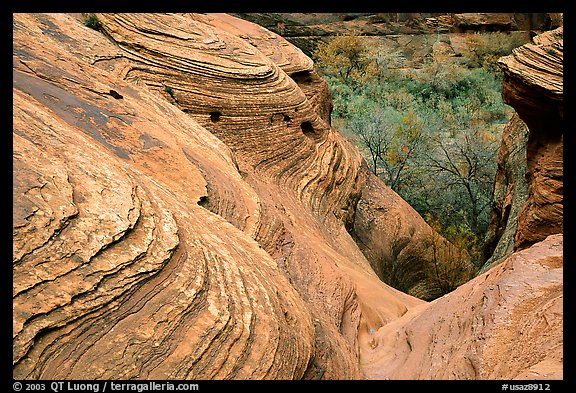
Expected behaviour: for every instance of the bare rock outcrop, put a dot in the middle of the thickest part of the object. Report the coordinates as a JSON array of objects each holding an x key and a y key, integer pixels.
[
  {"x": 495, "y": 326},
  {"x": 533, "y": 85},
  {"x": 180, "y": 207},
  {"x": 510, "y": 192},
  {"x": 118, "y": 272},
  {"x": 182, "y": 210}
]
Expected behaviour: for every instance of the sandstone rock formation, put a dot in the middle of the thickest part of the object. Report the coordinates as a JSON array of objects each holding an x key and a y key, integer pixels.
[
  {"x": 402, "y": 249},
  {"x": 492, "y": 327},
  {"x": 533, "y": 86},
  {"x": 182, "y": 209},
  {"x": 510, "y": 192}
]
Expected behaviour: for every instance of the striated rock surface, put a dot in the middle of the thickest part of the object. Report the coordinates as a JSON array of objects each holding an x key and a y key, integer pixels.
[
  {"x": 182, "y": 209},
  {"x": 533, "y": 85},
  {"x": 493, "y": 327},
  {"x": 402, "y": 249},
  {"x": 126, "y": 276}
]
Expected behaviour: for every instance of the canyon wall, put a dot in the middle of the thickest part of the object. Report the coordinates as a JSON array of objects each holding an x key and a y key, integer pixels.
[
  {"x": 509, "y": 193},
  {"x": 404, "y": 251},
  {"x": 528, "y": 190},
  {"x": 533, "y": 86},
  {"x": 411, "y": 33},
  {"x": 182, "y": 209}
]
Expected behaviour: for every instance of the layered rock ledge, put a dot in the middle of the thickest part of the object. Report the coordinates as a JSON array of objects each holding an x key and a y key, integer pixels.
[
  {"x": 182, "y": 209},
  {"x": 533, "y": 86}
]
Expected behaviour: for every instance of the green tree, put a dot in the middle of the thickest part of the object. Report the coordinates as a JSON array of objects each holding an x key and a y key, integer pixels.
[
  {"x": 345, "y": 57},
  {"x": 408, "y": 138},
  {"x": 429, "y": 133}
]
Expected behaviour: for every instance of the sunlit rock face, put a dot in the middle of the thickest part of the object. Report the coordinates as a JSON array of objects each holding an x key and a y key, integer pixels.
[
  {"x": 506, "y": 323},
  {"x": 180, "y": 206}
]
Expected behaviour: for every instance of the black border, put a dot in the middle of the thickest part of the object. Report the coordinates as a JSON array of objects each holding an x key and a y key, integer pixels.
[{"x": 333, "y": 6}]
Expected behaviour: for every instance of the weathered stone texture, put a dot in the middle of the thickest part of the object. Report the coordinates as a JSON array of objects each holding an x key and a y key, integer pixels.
[
  {"x": 493, "y": 327},
  {"x": 510, "y": 192},
  {"x": 182, "y": 209},
  {"x": 180, "y": 206},
  {"x": 533, "y": 85}
]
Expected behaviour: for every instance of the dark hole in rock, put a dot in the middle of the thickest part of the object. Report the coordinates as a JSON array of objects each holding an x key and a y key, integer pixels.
[
  {"x": 307, "y": 128},
  {"x": 215, "y": 116},
  {"x": 301, "y": 77},
  {"x": 116, "y": 95},
  {"x": 203, "y": 201}
]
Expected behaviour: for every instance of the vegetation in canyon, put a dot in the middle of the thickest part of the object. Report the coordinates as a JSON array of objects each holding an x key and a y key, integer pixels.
[
  {"x": 430, "y": 133},
  {"x": 185, "y": 206}
]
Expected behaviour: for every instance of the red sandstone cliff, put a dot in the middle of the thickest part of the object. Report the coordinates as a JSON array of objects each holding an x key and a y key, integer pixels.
[
  {"x": 181, "y": 209},
  {"x": 533, "y": 85}
]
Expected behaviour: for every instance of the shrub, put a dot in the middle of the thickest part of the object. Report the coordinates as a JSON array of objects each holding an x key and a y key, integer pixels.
[
  {"x": 343, "y": 57},
  {"x": 484, "y": 49},
  {"x": 91, "y": 21}
]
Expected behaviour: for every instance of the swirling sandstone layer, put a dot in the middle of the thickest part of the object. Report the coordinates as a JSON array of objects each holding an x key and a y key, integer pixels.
[
  {"x": 118, "y": 272},
  {"x": 533, "y": 85},
  {"x": 126, "y": 264},
  {"x": 182, "y": 207}
]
